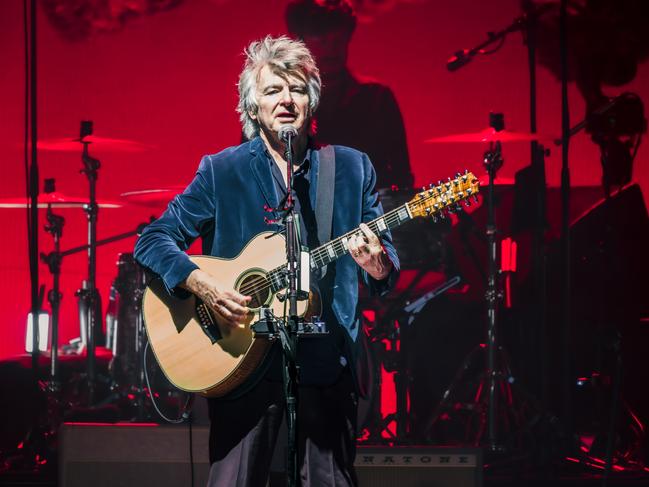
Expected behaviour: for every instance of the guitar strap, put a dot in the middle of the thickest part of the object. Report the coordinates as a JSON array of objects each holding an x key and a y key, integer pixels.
[{"x": 324, "y": 200}]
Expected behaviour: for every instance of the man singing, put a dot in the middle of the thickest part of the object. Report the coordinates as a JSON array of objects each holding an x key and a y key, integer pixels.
[{"x": 224, "y": 205}]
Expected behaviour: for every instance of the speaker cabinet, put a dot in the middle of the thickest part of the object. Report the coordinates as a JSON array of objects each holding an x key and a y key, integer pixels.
[
  {"x": 419, "y": 467},
  {"x": 131, "y": 455}
]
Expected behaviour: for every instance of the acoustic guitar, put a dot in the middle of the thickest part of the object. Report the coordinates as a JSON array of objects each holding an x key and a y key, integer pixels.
[{"x": 199, "y": 355}]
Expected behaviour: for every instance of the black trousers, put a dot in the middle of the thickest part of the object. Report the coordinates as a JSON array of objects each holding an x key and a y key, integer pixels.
[{"x": 244, "y": 431}]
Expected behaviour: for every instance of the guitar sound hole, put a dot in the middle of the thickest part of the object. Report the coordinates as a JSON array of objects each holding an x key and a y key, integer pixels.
[{"x": 258, "y": 287}]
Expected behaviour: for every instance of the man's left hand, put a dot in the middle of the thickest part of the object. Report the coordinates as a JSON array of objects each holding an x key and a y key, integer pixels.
[{"x": 366, "y": 249}]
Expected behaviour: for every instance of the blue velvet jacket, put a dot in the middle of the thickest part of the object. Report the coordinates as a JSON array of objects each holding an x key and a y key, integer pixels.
[{"x": 224, "y": 205}]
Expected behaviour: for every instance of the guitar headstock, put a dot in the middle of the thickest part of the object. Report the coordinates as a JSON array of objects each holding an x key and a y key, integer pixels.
[{"x": 445, "y": 195}]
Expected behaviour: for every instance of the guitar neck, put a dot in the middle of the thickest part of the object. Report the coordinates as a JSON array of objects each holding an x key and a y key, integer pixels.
[
  {"x": 329, "y": 252},
  {"x": 428, "y": 202}
]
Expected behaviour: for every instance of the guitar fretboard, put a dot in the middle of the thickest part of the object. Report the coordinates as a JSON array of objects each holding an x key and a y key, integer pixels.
[
  {"x": 427, "y": 203},
  {"x": 329, "y": 252}
]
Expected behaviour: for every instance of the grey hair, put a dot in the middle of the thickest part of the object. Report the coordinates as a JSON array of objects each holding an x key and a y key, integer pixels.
[{"x": 284, "y": 57}]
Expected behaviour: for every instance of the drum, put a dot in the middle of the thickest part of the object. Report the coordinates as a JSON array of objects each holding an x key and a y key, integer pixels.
[
  {"x": 420, "y": 243},
  {"x": 124, "y": 327}
]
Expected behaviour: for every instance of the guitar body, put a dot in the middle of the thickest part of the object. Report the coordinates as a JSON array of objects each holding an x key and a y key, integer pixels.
[{"x": 186, "y": 354}]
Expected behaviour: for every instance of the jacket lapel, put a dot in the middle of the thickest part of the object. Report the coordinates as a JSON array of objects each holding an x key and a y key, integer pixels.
[{"x": 261, "y": 171}]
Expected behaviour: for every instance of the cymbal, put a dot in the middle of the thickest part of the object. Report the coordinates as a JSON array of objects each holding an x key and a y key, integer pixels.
[
  {"x": 57, "y": 200},
  {"x": 489, "y": 135},
  {"x": 152, "y": 197},
  {"x": 95, "y": 142}
]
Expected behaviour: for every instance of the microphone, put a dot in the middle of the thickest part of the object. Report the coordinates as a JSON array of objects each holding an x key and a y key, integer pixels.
[
  {"x": 464, "y": 56},
  {"x": 458, "y": 60},
  {"x": 287, "y": 132}
]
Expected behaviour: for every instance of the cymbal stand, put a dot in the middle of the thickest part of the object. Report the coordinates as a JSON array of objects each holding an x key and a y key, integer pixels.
[
  {"x": 492, "y": 161},
  {"x": 89, "y": 295},
  {"x": 496, "y": 379},
  {"x": 54, "y": 227}
]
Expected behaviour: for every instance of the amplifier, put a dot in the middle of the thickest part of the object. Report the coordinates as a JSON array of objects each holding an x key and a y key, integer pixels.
[
  {"x": 418, "y": 466},
  {"x": 131, "y": 455}
]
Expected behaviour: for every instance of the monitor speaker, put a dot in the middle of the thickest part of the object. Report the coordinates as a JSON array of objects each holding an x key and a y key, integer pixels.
[
  {"x": 131, "y": 455},
  {"x": 419, "y": 467}
]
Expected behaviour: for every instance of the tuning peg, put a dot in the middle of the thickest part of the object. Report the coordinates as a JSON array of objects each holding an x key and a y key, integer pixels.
[
  {"x": 458, "y": 207},
  {"x": 475, "y": 198},
  {"x": 467, "y": 203}
]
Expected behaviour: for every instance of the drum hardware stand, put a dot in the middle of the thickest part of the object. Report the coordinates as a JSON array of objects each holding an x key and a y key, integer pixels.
[
  {"x": 85, "y": 309},
  {"x": 54, "y": 227},
  {"x": 493, "y": 161},
  {"x": 497, "y": 378},
  {"x": 52, "y": 386},
  {"x": 89, "y": 299}
]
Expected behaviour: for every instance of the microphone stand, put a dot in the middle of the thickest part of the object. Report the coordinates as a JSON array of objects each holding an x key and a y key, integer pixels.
[
  {"x": 464, "y": 56},
  {"x": 291, "y": 327},
  {"x": 290, "y": 339}
]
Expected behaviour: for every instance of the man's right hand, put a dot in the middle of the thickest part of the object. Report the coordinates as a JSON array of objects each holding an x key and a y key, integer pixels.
[{"x": 230, "y": 307}]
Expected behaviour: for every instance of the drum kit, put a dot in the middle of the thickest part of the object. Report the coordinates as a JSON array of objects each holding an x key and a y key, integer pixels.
[{"x": 124, "y": 340}]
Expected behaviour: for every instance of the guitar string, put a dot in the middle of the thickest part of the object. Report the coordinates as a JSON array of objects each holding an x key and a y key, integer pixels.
[
  {"x": 250, "y": 286},
  {"x": 262, "y": 283},
  {"x": 253, "y": 286}
]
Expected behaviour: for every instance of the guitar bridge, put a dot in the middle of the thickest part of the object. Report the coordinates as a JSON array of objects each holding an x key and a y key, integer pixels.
[{"x": 207, "y": 323}]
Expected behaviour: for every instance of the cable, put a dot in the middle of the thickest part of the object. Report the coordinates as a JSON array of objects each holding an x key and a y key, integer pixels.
[
  {"x": 186, "y": 413},
  {"x": 185, "y": 416},
  {"x": 191, "y": 450}
]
